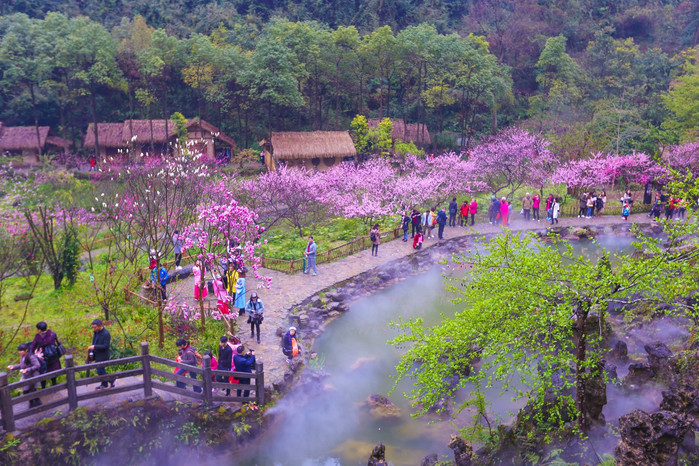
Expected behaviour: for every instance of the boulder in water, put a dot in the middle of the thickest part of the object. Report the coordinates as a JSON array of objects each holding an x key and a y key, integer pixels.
[
  {"x": 583, "y": 232},
  {"x": 659, "y": 359},
  {"x": 381, "y": 407},
  {"x": 430, "y": 460},
  {"x": 378, "y": 456},
  {"x": 640, "y": 373},
  {"x": 651, "y": 439},
  {"x": 463, "y": 451},
  {"x": 619, "y": 352}
]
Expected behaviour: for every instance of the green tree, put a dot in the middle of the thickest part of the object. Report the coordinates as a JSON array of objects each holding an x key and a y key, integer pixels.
[
  {"x": 359, "y": 130},
  {"x": 89, "y": 57},
  {"x": 541, "y": 335},
  {"x": 683, "y": 97},
  {"x": 380, "y": 48},
  {"x": 26, "y": 63}
]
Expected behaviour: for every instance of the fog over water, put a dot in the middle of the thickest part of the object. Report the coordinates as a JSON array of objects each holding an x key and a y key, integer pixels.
[{"x": 330, "y": 424}]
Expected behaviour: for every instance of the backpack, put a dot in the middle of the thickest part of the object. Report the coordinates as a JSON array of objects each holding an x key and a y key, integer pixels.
[
  {"x": 434, "y": 220},
  {"x": 200, "y": 358},
  {"x": 625, "y": 212},
  {"x": 372, "y": 236},
  {"x": 51, "y": 353}
]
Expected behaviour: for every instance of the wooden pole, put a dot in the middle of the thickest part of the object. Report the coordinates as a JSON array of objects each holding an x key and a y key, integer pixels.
[
  {"x": 208, "y": 389},
  {"x": 70, "y": 383},
  {"x": 145, "y": 362},
  {"x": 260, "y": 384},
  {"x": 8, "y": 417}
]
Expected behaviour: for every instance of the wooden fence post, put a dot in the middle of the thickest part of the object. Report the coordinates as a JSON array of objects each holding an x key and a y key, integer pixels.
[
  {"x": 145, "y": 362},
  {"x": 208, "y": 393},
  {"x": 260, "y": 384},
  {"x": 70, "y": 383},
  {"x": 8, "y": 417}
]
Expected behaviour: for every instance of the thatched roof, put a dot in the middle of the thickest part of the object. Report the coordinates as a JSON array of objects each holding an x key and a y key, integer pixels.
[
  {"x": 22, "y": 137},
  {"x": 110, "y": 135},
  {"x": 58, "y": 142},
  {"x": 308, "y": 145},
  {"x": 406, "y": 132},
  {"x": 116, "y": 135}
]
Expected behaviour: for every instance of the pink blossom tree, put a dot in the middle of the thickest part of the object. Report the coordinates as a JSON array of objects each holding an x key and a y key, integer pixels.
[
  {"x": 160, "y": 196},
  {"x": 219, "y": 224},
  {"x": 291, "y": 194},
  {"x": 512, "y": 159},
  {"x": 684, "y": 157},
  {"x": 608, "y": 169}
]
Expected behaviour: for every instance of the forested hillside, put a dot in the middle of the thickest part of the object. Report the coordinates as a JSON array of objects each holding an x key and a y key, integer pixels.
[{"x": 611, "y": 75}]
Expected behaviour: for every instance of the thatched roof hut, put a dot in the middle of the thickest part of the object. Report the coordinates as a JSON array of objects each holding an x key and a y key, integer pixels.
[
  {"x": 313, "y": 149},
  {"x": 110, "y": 135},
  {"x": 314, "y": 144},
  {"x": 406, "y": 132},
  {"x": 120, "y": 135},
  {"x": 22, "y": 140}
]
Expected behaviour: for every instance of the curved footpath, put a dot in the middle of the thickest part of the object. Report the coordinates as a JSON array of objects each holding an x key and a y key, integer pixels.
[
  {"x": 368, "y": 274},
  {"x": 288, "y": 291}
]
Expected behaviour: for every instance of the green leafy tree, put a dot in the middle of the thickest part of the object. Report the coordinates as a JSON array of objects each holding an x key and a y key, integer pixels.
[
  {"x": 683, "y": 97},
  {"x": 25, "y": 61},
  {"x": 534, "y": 316},
  {"x": 359, "y": 130},
  {"x": 380, "y": 138}
]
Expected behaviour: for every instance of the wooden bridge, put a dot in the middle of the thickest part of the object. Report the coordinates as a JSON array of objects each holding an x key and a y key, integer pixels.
[{"x": 154, "y": 376}]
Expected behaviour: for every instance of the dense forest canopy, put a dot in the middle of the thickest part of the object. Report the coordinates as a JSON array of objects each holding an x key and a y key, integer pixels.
[{"x": 611, "y": 75}]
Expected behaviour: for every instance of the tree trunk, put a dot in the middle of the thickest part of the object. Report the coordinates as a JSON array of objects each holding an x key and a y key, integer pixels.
[
  {"x": 152, "y": 139},
  {"x": 93, "y": 106},
  {"x": 202, "y": 284},
  {"x": 167, "y": 129},
  {"x": 36, "y": 120}
]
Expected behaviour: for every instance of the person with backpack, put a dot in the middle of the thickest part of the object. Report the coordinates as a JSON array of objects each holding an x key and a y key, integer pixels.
[
  {"x": 255, "y": 310},
  {"x": 46, "y": 344},
  {"x": 28, "y": 366},
  {"x": 375, "y": 238},
  {"x": 625, "y": 211},
  {"x": 191, "y": 357},
  {"x": 101, "y": 341},
  {"x": 453, "y": 207},
  {"x": 583, "y": 205},
  {"x": 244, "y": 363},
  {"x": 495, "y": 204},
  {"x": 405, "y": 224},
  {"x": 177, "y": 249},
  {"x": 442, "y": 222},
  {"x": 290, "y": 346},
  {"x": 415, "y": 218},
  {"x": 432, "y": 218},
  {"x": 225, "y": 360}
]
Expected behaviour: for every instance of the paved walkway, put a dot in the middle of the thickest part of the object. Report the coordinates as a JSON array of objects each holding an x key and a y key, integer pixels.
[{"x": 288, "y": 290}]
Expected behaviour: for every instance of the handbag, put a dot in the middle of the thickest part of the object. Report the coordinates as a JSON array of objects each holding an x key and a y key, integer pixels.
[{"x": 61, "y": 349}]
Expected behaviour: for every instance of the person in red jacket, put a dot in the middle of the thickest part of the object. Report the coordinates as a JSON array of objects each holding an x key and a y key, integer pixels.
[
  {"x": 473, "y": 208},
  {"x": 464, "y": 214}
]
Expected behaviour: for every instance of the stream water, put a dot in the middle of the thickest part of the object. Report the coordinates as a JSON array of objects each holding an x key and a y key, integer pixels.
[{"x": 331, "y": 424}]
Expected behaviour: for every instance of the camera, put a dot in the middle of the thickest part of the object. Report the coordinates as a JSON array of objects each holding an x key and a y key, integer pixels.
[{"x": 91, "y": 355}]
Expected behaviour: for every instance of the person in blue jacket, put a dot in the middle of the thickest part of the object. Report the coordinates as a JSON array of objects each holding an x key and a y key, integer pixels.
[
  {"x": 442, "y": 222},
  {"x": 163, "y": 279},
  {"x": 244, "y": 363}
]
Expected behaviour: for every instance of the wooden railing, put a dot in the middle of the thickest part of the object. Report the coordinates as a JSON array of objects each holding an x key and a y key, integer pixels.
[
  {"x": 330, "y": 255},
  {"x": 612, "y": 208},
  {"x": 152, "y": 379}
]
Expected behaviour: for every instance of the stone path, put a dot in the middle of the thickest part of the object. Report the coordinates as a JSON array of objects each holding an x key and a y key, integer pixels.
[{"x": 288, "y": 290}]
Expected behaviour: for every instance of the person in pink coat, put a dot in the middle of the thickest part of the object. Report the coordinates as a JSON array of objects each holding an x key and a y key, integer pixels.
[
  {"x": 504, "y": 211},
  {"x": 197, "y": 272},
  {"x": 474, "y": 210}
]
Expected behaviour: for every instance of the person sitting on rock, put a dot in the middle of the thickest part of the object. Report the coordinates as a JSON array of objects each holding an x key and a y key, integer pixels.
[{"x": 290, "y": 346}]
